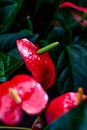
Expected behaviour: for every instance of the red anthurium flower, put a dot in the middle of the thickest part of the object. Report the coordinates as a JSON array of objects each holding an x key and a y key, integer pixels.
[
  {"x": 71, "y": 5},
  {"x": 22, "y": 92},
  {"x": 61, "y": 105},
  {"x": 40, "y": 65}
]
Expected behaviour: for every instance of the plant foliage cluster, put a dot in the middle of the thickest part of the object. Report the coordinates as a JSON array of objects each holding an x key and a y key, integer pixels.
[{"x": 44, "y": 22}]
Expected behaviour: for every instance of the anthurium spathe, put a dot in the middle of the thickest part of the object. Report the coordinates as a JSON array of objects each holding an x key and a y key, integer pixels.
[
  {"x": 40, "y": 65},
  {"x": 72, "y": 5},
  {"x": 63, "y": 104},
  {"x": 22, "y": 92}
]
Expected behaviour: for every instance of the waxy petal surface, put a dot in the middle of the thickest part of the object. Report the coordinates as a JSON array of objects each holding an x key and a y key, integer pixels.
[
  {"x": 61, "y": 105},
  {"x": 10, "y": 112},
  {"x": 33, "y": 99},
  {"x": 40, "y": 65}
]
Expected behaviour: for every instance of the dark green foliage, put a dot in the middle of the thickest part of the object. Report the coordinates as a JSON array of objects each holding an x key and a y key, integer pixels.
[
  {"x": 47, "y": 23},
  {"x": 8, "y": 12},
  {"x": 75, "y": 119},
  {"x": 7, "y": 64},
  {"x": 8, "y": 40}
]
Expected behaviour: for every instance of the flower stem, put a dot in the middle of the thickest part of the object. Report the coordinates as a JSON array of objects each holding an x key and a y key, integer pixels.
[
  {"x": 47, "y": 48},
  {"x": 15, "y": 67},
  {"x": 15, "y": 128},
  {"x": 54, "y": 17},
  {"x": 38, "y": 4}
]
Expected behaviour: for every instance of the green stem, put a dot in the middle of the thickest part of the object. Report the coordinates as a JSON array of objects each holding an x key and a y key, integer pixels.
[
  {"x": 15, "y": 128},
  {"x": 16, "y": 67},
  {"x": 30, "y": 26},
  {"x": 56, "y": 12},
  {"x": 72, "y": 25},
  {"x": 47, "y": 48},
  {"x": 37, "y": 8}
]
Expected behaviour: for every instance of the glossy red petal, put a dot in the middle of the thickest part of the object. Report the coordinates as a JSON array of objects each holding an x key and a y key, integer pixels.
[
  {"x": 10, "y": 112},
  {"x": 37, "y": 102},
  {"x": 34, "y": 98},
  {"x": 4, "y": 88},
  {"x": 61, "y": 105},
  {"x": 40, "y": 66},
  {"x": 50, "y": 75},
  {"x": 71, "y": 5}
]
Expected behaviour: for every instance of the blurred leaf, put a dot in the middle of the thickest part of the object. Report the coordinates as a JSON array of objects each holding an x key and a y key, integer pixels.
[
  {"x": 8, "y": 12},
  {"x": 82, "y": 3},
  {"x": 57, "y": 34},
  {"x": 71, "y": 66},
  {"x": 25, "y": 23},
  {"x": 65, "y": 20},
  {"x": 75, "y": 119},
  {"x": 8, "y": 41},
  {"x": 7, "y": 64},
  {"x": 51, "y": 1},
  {"x": 43, "y": 43}
]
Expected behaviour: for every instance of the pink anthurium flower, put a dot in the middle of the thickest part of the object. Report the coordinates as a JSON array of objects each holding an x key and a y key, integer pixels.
[
  {"x": 78, "y": 18},
  {"x": 63, "y": 104},
  {"x": 40, "y": 65},
  {"x": 22, "y": 92}
]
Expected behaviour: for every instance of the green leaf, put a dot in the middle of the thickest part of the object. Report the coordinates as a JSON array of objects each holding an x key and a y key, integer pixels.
[
  {"x": 25, "y": 23},
  {"x": 75, "y": 119},
  {"x": 67, "y": 21},
  {"x": 51, "y": 1},
  {"x": 71, "y": 66},
  {"x": 7, "y": 64},
  {"x": 8, "y": 41},
  {"x": 56, "y": 34},
  {"x": 8, "y": 12},
  {"x": 43, "y": 43}
]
